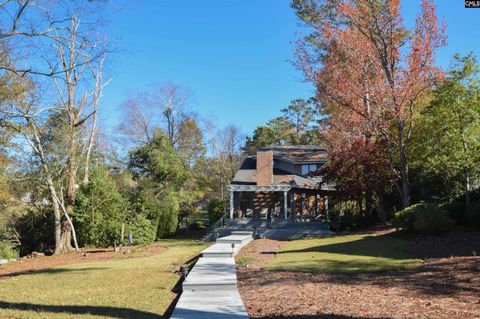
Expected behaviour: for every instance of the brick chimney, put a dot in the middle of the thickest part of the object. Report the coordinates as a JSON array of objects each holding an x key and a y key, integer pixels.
[{"x": 265, "y": 167}]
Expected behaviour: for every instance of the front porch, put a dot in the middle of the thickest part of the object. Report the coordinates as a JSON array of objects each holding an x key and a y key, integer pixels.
[{"x": 274, "y": 202}]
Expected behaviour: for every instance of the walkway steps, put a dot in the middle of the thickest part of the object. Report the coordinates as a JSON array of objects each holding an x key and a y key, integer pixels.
[
  {"x": 212, "y": 274},
  {"x": 210, "y": 305},
  {"x": 221, "y": 250},
  {"x": 235, "y": 239},
  {"x": 210, "y": 289},
  {"x": 242, "y": 233}
]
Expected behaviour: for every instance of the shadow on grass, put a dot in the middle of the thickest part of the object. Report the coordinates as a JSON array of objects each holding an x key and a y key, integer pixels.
[
  {"x": 110, "y": 312},
  {"x": 48, "y": 271},
  {"x": 444, "y": 277},
  {"x": 189, "y": 234},
  {"x": 340, "y": 266},
  {"x": 384, "y": 246},
  {"x": 177, "y": 289}
]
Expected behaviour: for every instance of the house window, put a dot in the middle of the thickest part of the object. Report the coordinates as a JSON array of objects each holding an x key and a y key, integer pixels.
[{"x": 308, "y": 169}]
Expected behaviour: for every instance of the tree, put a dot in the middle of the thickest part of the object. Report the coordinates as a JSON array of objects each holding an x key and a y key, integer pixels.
[
  {"x": 301, "y": 120},
  {"x": 63, "y": 90},
  {"x": 164, "y": 106},
  {"x": 262, "y": 136},
  {"x": 100, "y": 211},
  {"x": 446, "y": 135},
  {"x": 164, "y": 182},
  {"x": 97, "y": 74},
  {"x": 28, "y": 25},
  {"x": 222, "y": 166},
  {"x": 159, "y": 163},
  {"x": 359, "y": 169},
  {"x": 190, "y": 144},
  {"x": 298, "y": 125},
  {"x": 368, "y": 67}
]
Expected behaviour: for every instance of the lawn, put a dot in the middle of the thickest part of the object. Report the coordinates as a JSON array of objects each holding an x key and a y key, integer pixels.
[
  {"x": 353, "y": 253},
  {"x": 119, "y": 288}
]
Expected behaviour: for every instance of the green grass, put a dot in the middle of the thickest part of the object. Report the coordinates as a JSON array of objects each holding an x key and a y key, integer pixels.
[
  {"x": 120, "y": 288},
  {"x": 243, "y": 261},
  {"x": 353, "y": 253}
]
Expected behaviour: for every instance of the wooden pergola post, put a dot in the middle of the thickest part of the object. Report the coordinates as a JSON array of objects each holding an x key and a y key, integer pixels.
[{"x": 285, "y": 198}]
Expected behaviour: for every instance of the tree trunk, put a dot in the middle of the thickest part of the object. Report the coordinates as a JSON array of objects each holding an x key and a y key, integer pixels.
[
  {"x": 89, "y": 150},
  {"x": 56, "y": 215},
  {"x": 467, "y": 187},
  {"x": 405, "y": 185},
  {"x": 38, "y": 147},
  {"x": 99, "y": 85},
  {"x": 70, "y": 198},
  {"x": 405, "y": 190}
]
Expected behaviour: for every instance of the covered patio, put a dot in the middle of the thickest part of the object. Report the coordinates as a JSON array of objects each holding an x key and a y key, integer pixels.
[{"x": 278, "y": 202}]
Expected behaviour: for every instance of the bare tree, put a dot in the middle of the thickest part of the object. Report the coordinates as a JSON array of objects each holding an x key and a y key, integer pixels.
[
  {"x": 97, "y": 74},
  {"x": 75, "y": 52},
  {"x": 172, "y": 99},
  {"x": 165, "y": 107},
  {"x": 26, "y": 25},
  {"x": 138, "y": 124},
  {"x": 71, "y": 90},
  {"x": 226, "y": 153}
]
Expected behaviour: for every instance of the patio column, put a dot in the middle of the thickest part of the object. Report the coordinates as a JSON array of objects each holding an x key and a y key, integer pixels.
[
  {"x": 231, "y": 204},
  {"x": 326, "y": 206},
  {"x": 285, "y": 198},
  {"x": 293, "y": 207},
  {"x": 302, "y": 201}
]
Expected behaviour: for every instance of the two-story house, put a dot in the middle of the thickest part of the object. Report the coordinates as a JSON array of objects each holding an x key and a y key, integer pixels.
[{"x": 281, "y": 182}]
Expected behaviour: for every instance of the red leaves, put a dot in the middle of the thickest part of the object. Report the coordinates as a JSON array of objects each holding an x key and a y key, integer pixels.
[{"x": 369, "y": 73}]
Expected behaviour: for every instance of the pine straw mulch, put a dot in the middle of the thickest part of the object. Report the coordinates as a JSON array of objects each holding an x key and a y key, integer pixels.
[
  {"x": 439, "y": 288},
  {"x": 31, "y": 264}
]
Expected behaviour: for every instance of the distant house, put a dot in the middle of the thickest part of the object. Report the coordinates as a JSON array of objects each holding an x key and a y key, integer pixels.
[{"x": 281, "y": 182}]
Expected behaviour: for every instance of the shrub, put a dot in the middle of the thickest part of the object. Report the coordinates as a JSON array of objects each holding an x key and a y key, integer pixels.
[
  {"x": 100, "y": 211},
  {"x": 423, "y": 218},
  {"x": 472, "y": 214},
  {"x": 35, "y": 228},
  {"x": 169, "y": 208},
  {"x": 404, "y": 218},
  {"x": 456, "y": 210},
  {"x": 162, "y": 211},
  {"x": 347, "y": 216},
  {"x": 197, "y": 225},
  {"x": 216, "y": 209},
  {"x": 142, "y": 230},
  {"x": 7, "y": 251}
]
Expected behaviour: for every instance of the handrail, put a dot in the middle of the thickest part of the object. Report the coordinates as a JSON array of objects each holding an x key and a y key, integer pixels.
[{"x": 219, "y": 222}]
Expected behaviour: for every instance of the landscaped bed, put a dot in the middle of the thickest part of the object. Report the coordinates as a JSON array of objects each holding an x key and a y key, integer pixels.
[
  {"x": 358, "y": 276},
  {"x": 135, "y": 285}
]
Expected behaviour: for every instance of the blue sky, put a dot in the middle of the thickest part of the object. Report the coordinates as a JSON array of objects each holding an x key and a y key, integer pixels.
[{"x": 233, "y": 54}]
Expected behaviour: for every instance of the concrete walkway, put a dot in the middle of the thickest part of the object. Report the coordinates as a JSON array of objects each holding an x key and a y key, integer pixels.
[{"x": 210, "y": 289}]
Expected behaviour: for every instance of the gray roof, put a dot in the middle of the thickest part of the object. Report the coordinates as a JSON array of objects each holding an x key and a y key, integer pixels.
[{"x": 297, "y": 154}]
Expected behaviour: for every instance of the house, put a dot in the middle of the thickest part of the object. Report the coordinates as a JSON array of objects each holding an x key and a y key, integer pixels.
[{"x": 281, "y": 182}]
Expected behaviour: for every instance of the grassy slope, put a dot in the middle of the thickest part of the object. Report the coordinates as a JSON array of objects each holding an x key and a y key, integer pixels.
[
  {"x": 124, "y": 288},
  {"x": 353, "y": 253}
]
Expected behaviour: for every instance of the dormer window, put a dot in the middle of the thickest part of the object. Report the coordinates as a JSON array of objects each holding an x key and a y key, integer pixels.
[{"x": 308, "y": 168}]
